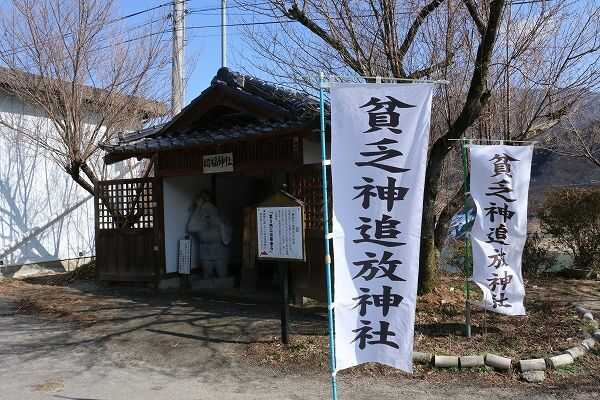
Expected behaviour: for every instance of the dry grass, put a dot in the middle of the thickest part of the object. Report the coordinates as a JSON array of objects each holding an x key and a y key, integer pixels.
[
  {"x": 550, "y": 326},
  {"x": 49, "y": 301}
]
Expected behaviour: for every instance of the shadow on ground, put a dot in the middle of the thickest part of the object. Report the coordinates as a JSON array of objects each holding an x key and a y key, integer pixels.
[{"x": 137, "y": 327}]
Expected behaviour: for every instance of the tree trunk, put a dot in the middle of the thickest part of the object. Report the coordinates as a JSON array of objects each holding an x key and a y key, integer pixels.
[
  {"x": 477, "y": 97},
  {"x": 428, "y": 273},
  {"x": 428, "y": 254},
  {"x": 74, "y": 170},
  {"x": 441, "y": 225}
]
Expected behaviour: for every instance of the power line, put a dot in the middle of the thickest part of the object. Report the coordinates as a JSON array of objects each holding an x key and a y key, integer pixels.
[
  {"x": 520, "y": 2},
  {"x": 237, "y": 5},
  {"x": 270, "y": 22},
  {"x": 275, "y": 22},
  {"x": 135, "y": 14},
  {"x": 23, "y": 48}
]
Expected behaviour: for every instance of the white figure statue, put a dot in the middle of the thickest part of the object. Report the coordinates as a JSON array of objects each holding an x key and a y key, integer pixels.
[{"x": 211, "y": 235}]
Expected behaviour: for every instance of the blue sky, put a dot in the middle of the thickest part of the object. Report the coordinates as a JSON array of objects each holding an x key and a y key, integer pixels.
[{"x": 203, "y": 46}]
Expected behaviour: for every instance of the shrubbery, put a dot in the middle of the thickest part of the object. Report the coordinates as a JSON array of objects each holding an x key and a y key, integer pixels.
[
  {"x": 572, "y": 218},
  {"x": 536, "y": 257}
]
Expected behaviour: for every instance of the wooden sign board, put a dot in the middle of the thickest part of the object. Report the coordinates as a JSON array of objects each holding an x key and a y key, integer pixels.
[
  {"x": 280, "y": 229},
  {"x": 216, "y": 163}
]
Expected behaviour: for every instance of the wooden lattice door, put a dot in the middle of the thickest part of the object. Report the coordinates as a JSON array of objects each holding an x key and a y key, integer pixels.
[
  {"x": 129, "y": 229},
  {"x": 305, "y": 184}
]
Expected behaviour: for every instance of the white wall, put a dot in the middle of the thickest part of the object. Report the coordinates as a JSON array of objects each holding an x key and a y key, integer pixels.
[
  {"x": 35, "y": 191},
  {"x": 179, "y": 192}
]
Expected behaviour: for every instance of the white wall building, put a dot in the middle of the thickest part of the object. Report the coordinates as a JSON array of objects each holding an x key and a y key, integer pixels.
[{"x": 44, "y": 215}]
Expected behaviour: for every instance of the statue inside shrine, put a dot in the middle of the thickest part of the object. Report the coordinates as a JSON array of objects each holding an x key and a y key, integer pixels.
[{"x": 211, "y": 237}]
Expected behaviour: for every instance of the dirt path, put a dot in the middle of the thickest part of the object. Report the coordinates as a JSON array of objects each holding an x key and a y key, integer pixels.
[
  {"x": 146, "y": 347},
  {"x": 586, "y": 293}
]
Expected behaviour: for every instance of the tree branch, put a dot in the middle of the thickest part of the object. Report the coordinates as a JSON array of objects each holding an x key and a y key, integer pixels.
[
  {"x": 475, "y": 16},
  {"x": 296, "y": 14},
  {"x": 390, "y": 41},
  {"x": 478, "y": 95},
  {"x": 431, "y": 69},
  {"x": 414, "y": 28},
  {"x": 73, "y": 170}
]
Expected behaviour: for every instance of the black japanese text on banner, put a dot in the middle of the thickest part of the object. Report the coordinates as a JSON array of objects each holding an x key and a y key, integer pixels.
[
  {"x": 500, "y": 186},
  {"x": 380, "y": 134}
]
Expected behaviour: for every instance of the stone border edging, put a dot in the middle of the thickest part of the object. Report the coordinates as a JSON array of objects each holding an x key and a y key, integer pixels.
[{"x": 532, "y": 370}]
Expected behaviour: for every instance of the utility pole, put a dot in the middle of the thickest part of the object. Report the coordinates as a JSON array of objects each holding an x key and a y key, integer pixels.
[
  {"x": 177, "y": 92},
  {"x": 223, "y": 33}
]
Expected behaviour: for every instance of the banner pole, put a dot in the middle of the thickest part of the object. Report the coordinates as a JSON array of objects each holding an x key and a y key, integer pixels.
[
  {"x": 324, "y": 164},
  {"x": 467, "y": 252}
]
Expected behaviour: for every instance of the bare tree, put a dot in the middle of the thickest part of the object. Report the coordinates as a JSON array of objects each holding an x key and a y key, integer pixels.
[
  {"x": 575, "y": 140},
  {"x": 80, "y": 68},
  {"x": 515, "y": 68}
]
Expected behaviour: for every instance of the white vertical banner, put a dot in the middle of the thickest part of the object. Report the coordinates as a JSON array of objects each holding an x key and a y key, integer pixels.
[
  {"x": 380, "y": 135},
  {"x": 500, "y": 187}
]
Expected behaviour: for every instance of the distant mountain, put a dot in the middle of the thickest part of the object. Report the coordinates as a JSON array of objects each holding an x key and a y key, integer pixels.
[{"x": 550, "y": 171}]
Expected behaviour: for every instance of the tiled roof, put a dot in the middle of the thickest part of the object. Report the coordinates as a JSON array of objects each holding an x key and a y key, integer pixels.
[
  {"x": 297, "y": 111},
  {"x": 299, "y": 105},
  {"x": 177, "y": 140}
]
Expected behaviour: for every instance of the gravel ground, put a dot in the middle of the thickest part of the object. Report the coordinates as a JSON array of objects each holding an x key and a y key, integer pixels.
[{"x": 140, "y": 346}]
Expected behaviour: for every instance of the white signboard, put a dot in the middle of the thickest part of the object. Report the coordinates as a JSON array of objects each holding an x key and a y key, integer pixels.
[
  {"x": 280, "y": 233},
  {"x": 380, "y": 134},
  {"x": 184, "y": 256},
  {"x": 500, "y": 186},
  {"x": 217, "y": 163}
]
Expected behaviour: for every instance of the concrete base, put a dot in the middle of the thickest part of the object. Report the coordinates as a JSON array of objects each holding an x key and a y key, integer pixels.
[
  {"x": 498, "y": 362},
  {"x": 588, "y": 316},
  {"x": 216, "y": 283},
  {"x": 561, "y": 360},
  {"x": 472, "y": 361},
  {"x": 421, "y": 358},
  {"x": 173, "y": 283},
  {"x": 581, "y": 310},
  {"x": 44, "y": 268},
  {"x": 445, "y": 361},
  {"x": 534, "y": 376},
  {"x": 576, "y": 352},
  {"x": 589, "y": 343},
  {"x": 536, "y": 364}
]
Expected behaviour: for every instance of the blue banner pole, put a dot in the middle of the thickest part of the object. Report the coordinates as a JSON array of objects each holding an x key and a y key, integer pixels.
[
  {"x": 468, "y": 268},
  {"x": 324, "y": 164}
]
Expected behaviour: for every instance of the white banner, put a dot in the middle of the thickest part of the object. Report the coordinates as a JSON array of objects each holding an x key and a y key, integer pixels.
[
  {"x": 499, "y": 186},
  {"x": 380, "y": 134}
]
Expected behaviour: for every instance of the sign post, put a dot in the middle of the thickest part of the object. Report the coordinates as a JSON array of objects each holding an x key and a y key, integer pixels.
[
  {"x": 285, "y": 300},
  {"x": 280, "y": 229}
]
